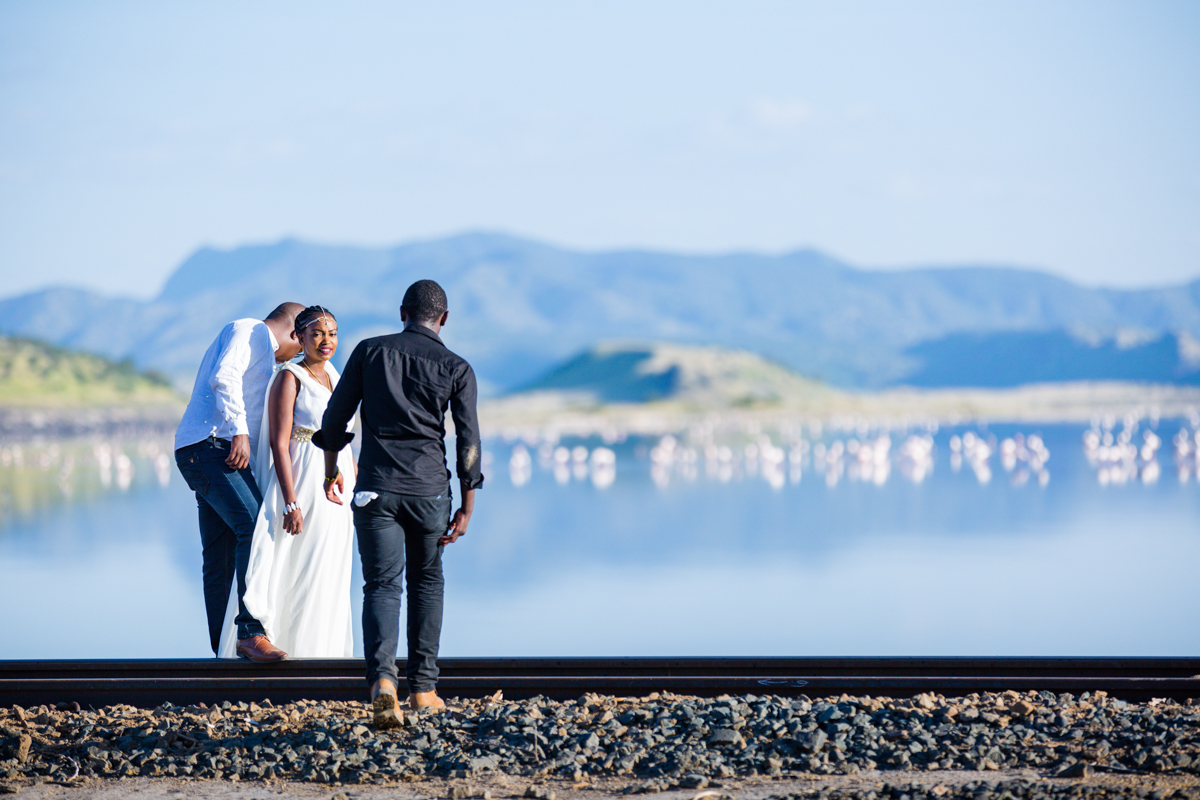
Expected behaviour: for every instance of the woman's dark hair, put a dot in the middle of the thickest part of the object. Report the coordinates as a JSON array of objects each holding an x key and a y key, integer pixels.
[{"x": 310, "y": 315}]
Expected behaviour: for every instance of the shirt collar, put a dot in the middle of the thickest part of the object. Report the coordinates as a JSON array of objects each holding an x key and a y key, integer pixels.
[
  {"x": 274, "y": 341},
  {"x": 416, "y": 327}
]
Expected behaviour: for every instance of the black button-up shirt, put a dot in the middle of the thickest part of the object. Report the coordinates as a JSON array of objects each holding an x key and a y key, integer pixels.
[{"x": 405, "y": 383}]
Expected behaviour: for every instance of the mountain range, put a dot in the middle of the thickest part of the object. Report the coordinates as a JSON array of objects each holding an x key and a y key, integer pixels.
[{"x": 519, "y": 307}]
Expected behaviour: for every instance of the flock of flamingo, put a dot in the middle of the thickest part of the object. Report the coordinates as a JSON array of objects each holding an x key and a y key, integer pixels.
[
  {"x": 1118, "y": 451},
  {"x": 1116, "y": 455}
]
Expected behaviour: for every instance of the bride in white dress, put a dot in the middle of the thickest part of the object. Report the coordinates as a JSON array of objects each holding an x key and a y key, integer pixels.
[{"x": 298, "y": 581}]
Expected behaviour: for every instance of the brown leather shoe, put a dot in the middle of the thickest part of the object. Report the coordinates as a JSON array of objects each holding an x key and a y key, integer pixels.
[
  {"x": 384, "y": 705},
  {"x": 419, "y": 700},
  {"x": 259, "y": 650}
]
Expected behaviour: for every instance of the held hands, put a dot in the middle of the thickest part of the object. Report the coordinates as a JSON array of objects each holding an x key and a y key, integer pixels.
[
  {"x": 458, "y": 527},
  {"x": 239, "y": 452},
  {"x": 330, "y": 483}
]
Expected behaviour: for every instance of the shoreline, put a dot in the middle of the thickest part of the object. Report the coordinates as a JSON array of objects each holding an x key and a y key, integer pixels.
[
  {"x": 515, "y": 415},
  {"x": 1035, "y": 403},
  {"x": 21, "y": 424}
]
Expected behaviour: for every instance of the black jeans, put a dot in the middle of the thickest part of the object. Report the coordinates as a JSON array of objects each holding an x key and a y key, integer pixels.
[
  {"x": 228, "y": 501},
  {"x": 388, "y": 528}
]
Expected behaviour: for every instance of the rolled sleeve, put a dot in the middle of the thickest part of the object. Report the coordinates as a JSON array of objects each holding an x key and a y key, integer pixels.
[
  {"x": 226, "y": 383},
  {"x": 463, "y": 411}
]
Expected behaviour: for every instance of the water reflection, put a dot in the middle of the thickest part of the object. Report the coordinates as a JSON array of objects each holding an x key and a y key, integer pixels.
[
  {"x": 1187, "y": 454},
  {"x": 603, "y": 467},
  {"x": 566, "y": 464},
  {"x": 884, "y": 595},
  {"x": 916, "y": 458},
  {"x": 868, "y": 457},
  {"x": 520, "y": 466},
  {"x": 1122, "y": 456},
  {"x": 782, "y": 457},
  {"x": 801, "y": 540},
  {"x": 39, "y": 475}
]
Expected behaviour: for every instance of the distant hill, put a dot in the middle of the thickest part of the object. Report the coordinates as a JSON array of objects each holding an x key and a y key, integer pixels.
[
  {"x": 703, "y": 377},
  {"x": 36, "y": 374},
  {"x": 1022, "y": 357},
  {"x": 662, "y": 388},
  {"x": 519, "y": 307}
]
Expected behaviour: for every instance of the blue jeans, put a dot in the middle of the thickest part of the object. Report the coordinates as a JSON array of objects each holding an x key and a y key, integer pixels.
[
  {"x": 228, "y": 501},
  {"x": 387, "y": 528}
]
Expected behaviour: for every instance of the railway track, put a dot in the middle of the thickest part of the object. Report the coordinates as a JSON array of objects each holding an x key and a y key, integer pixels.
[{"x": 148, "y": 683}]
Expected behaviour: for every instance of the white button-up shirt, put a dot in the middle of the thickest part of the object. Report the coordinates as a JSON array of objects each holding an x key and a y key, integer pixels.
[{"x": 231, "y": 386}]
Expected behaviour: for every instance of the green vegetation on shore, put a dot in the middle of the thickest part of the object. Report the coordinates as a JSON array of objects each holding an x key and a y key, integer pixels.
[{"x": 34, "y": 373}]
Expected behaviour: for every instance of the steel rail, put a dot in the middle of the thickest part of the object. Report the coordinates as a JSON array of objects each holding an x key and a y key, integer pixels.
[{"x": 189, "y": 681}]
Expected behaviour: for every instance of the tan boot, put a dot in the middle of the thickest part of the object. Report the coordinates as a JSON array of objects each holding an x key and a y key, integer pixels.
[
  {"x": 418, "y": 700},
  {"x": 385, "y": 705}
]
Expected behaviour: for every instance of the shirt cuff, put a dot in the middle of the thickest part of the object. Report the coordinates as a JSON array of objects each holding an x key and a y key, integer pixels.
[
  {"x": 332, "y": 441},
  {"x": 472, "y": 482},
  {"x": 240, "y": 428}
]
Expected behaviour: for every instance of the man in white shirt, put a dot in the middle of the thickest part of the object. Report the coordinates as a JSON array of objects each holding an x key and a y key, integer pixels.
[{"x": 215, "y": 444}]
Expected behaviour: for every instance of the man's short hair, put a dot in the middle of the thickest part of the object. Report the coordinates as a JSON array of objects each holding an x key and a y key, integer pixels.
[
  {"x": 286, "y": 313},
  {"x": 424, "y": 301}
]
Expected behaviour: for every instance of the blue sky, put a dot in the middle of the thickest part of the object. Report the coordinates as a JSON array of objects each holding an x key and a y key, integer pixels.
[{"x": 1062, "y": 136}]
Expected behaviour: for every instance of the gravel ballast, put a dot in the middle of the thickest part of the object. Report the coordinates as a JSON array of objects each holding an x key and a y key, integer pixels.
[{"x": 649, "y": 744}]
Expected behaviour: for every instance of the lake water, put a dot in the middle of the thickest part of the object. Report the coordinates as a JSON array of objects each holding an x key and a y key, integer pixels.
[{"x": 961, "y": 541}]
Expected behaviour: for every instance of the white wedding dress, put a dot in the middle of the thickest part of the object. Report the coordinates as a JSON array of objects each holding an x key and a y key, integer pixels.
[{"x": 298, "y": 586}]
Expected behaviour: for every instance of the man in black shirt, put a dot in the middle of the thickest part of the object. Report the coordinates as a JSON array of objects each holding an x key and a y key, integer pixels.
[{"x": 402, "y": 499}]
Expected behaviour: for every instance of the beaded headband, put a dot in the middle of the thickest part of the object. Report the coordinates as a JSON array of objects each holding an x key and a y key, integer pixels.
[{"x": 322, "y": 317}]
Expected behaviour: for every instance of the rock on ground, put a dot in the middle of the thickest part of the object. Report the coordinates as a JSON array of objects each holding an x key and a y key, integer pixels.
[{"x": 1033, "y": 743}]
